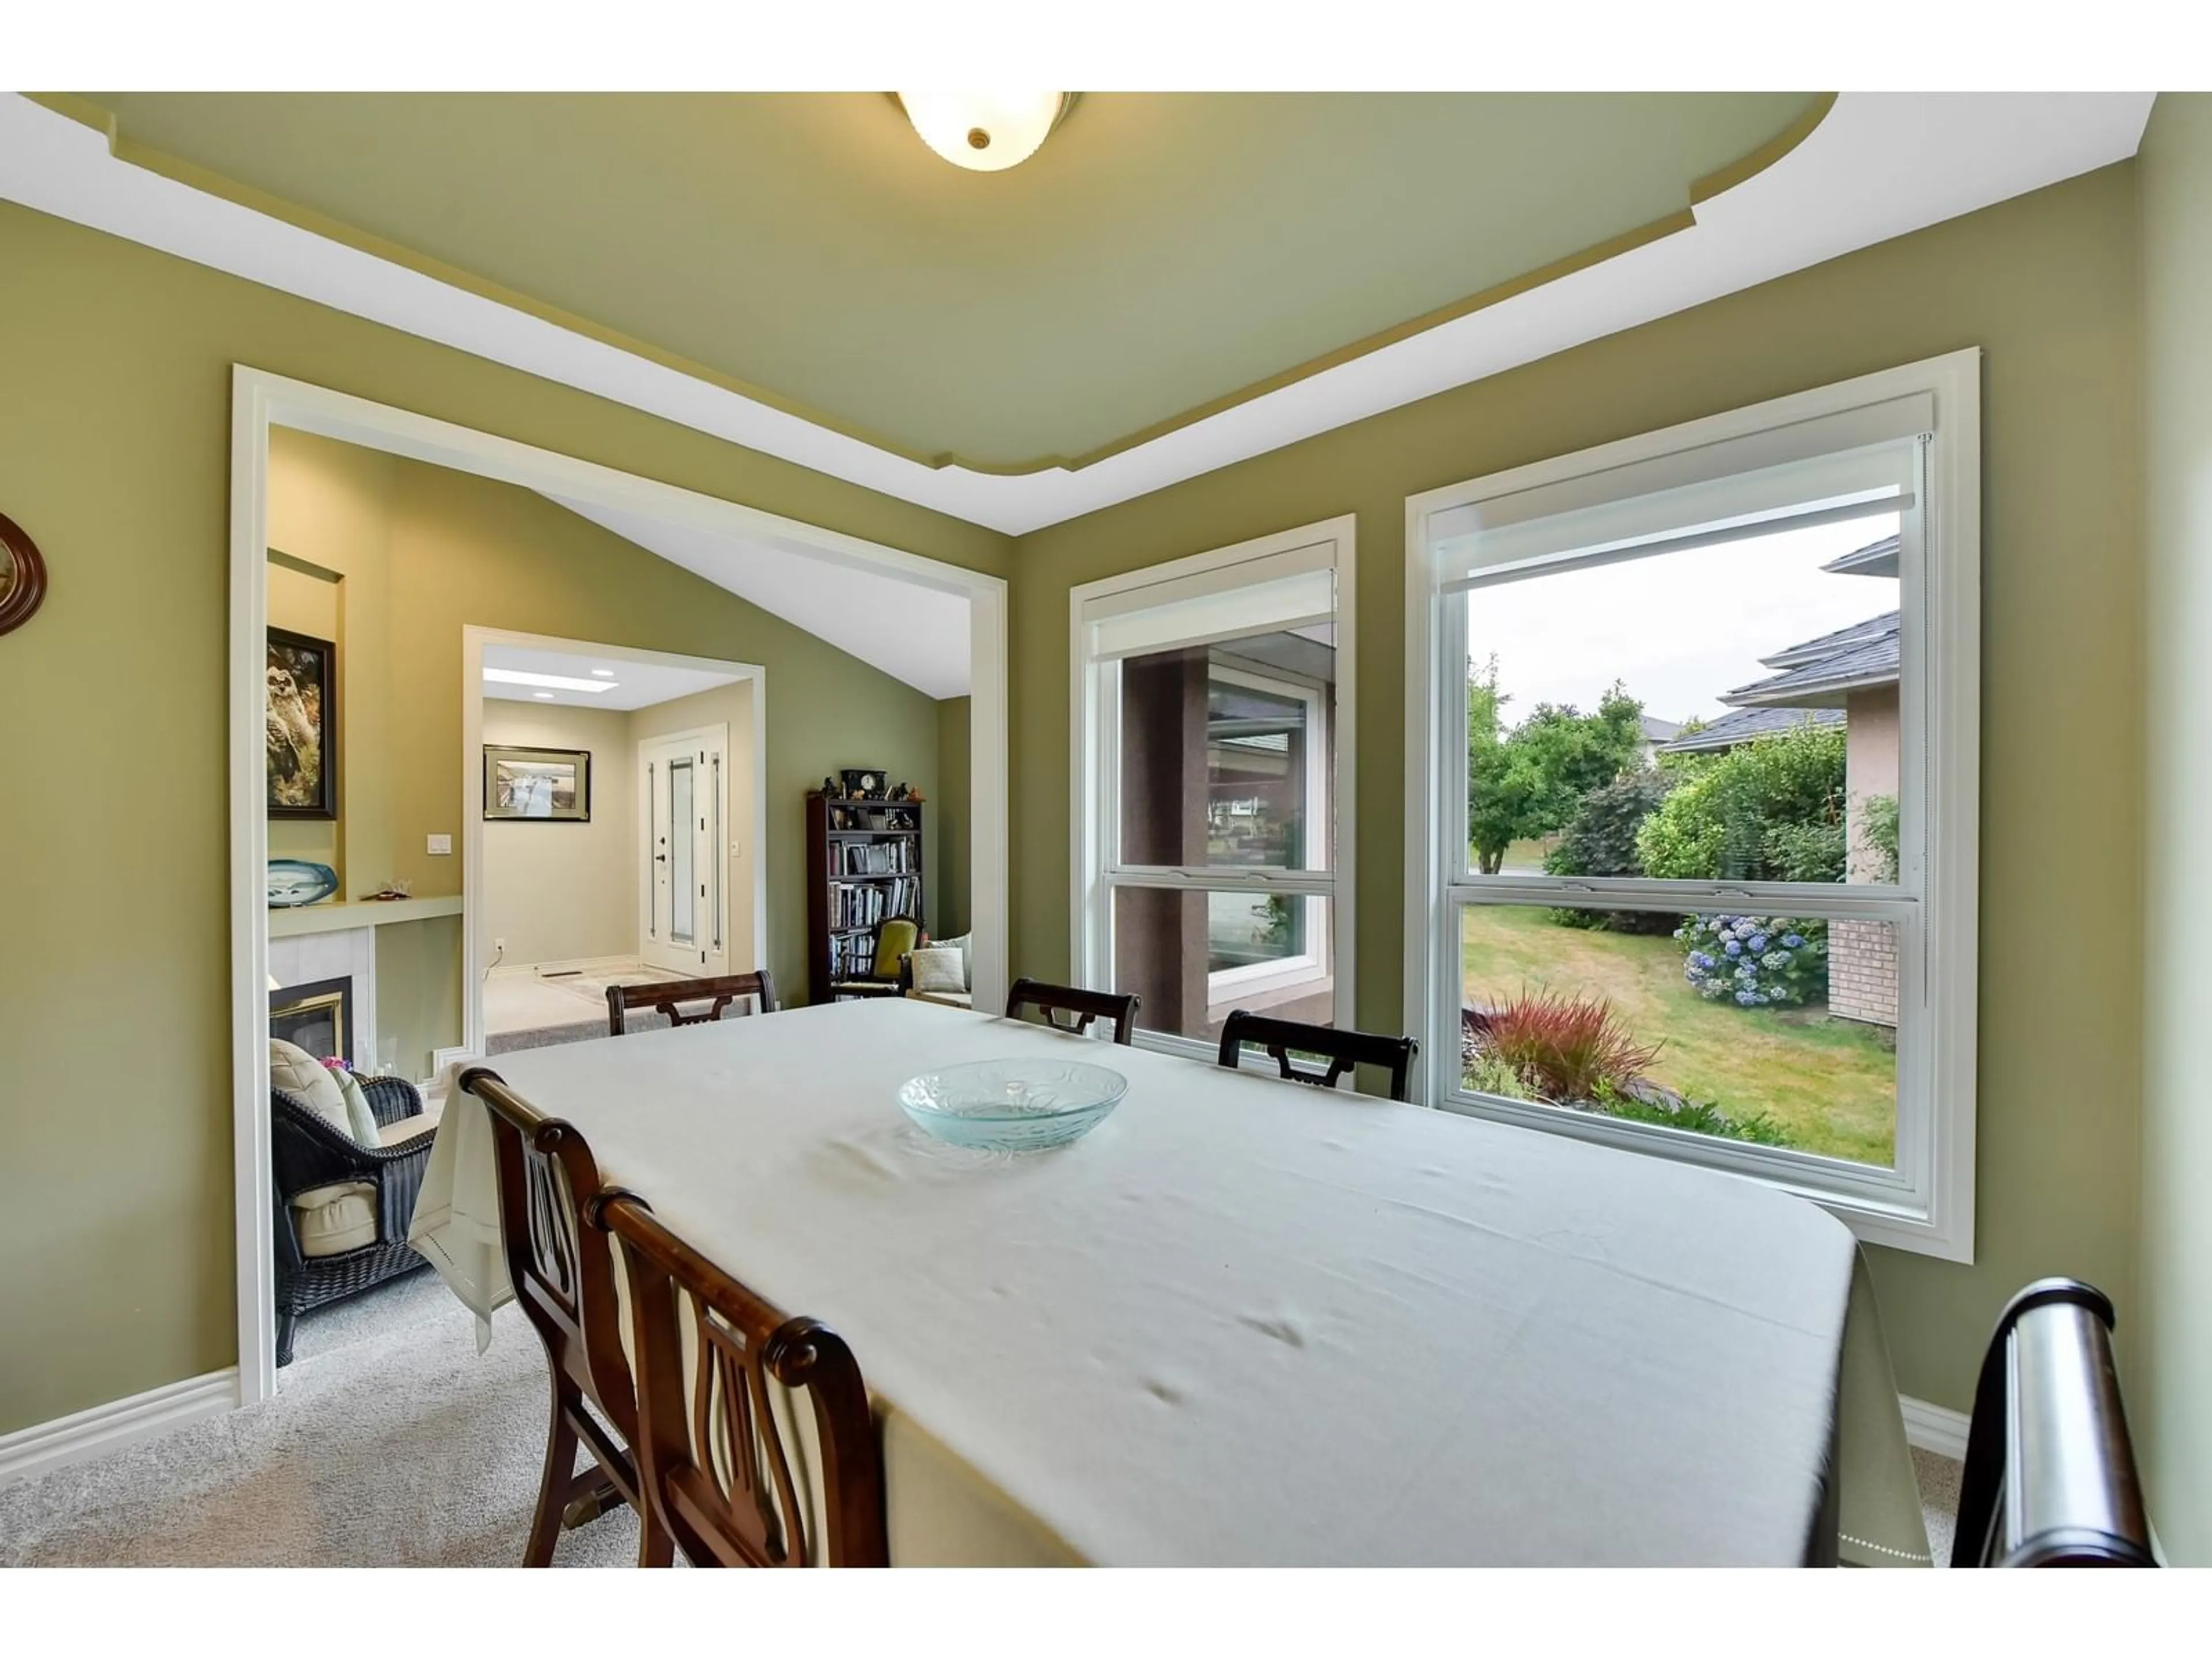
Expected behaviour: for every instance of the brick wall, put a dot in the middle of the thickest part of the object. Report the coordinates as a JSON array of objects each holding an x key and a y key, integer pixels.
[{"x": 1863, "y": 971}]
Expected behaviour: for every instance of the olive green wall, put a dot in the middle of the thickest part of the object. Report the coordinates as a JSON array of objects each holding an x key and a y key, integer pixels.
[
  {"x": 947, "y": 817},
  {"x": 116, "y": 1210},
  {"x": 2172, "y": 1414},
  {"x": 2047, "y": 286}
]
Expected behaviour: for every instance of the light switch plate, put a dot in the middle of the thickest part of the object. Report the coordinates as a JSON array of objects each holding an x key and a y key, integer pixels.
[{"x": 442, "y": 846}]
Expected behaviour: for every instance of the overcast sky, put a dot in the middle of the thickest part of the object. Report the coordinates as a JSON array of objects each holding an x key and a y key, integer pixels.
[{"x": 1679, "y": 629}]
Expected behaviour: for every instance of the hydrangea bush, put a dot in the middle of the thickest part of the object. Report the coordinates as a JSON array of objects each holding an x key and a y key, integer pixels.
[{"x": 1755, "y": 961}]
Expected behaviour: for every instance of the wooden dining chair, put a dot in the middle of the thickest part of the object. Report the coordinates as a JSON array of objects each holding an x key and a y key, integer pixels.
[
  {"x": 667, "y": 995},
  {"x": 723, "y": 1377},
  {"x": 1083, "y": 1007},
  {"x": 564, "y": 1274},
  {"x": 2049, "y": 1477},
  {"x": 1342, "y": 1049}
]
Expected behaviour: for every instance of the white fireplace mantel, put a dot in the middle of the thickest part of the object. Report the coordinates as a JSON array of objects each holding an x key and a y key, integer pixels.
[{"x": 365, "y": 913}]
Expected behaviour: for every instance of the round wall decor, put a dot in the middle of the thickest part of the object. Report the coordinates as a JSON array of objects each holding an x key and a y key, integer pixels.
[{"x": 22, "y": 575}]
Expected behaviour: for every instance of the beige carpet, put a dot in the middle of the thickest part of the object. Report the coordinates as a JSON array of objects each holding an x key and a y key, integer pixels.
[{"x": 390, "y": 1443}]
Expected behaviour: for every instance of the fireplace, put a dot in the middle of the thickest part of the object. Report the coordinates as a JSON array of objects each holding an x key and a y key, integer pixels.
[{"x": 317, "y": 1016}]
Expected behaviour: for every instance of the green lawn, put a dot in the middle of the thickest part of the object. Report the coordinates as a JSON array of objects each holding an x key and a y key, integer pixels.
[{"x": 1831, "y": 1084}]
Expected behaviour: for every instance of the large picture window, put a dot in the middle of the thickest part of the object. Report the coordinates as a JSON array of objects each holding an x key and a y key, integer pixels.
[
  {"x": 1695, "y": 869},
  {"x": 1210, "y": 738}
]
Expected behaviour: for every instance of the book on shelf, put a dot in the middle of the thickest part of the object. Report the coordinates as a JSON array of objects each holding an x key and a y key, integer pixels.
[{"x": 864, "y": 904}]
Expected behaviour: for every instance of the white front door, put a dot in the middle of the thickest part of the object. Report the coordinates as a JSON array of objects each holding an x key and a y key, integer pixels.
[{"x": 683, "y": 916}]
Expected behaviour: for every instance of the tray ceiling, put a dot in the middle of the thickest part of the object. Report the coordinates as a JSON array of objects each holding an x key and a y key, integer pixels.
[{"x": 1162, "y": 254}]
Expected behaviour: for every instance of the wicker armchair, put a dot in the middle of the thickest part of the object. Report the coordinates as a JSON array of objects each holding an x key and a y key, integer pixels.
[{"x": 309, "y": 1151}]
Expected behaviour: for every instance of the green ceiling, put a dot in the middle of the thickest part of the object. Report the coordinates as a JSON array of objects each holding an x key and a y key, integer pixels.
[{"x": 1162, "y": 254}]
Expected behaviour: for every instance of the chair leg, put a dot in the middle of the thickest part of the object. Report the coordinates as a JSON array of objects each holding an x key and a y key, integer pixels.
[
  {"x": 655, "y": 1548},
  {"x": 288, "y": 1323},
  {"x": 560, "y": 1475}
]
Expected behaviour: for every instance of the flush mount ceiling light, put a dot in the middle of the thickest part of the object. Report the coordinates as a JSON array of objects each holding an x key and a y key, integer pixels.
[
  {"x": 984, "y": 131},
  {"x": 558, "y": 681}
]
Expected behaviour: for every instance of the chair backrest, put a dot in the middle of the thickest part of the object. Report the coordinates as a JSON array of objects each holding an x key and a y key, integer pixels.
[
  {"x": 2049, "y": 1477},
  {"x": 1080, "y": 1005},
  {"x": 1343, "y": 1049},
  {"x": 562, "y": 1268},
  {"x": 722, "y": 1378},
  {"x": 667, "y": 995}
]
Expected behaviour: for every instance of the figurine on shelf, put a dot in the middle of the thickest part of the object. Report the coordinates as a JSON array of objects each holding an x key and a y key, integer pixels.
[
  {"x": 829, "y": 789},
  {"x": 899, "y": 794},
  {"x": 914, "y": 798}
]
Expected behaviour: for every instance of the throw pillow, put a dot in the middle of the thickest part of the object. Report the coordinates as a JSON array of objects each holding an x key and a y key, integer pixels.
[
  {"x": 303, "y": 1077},
  {"x": 966, "y": 945},
  {"x": 938, "y": 968},
  {"x": 360, "y": 1116}
]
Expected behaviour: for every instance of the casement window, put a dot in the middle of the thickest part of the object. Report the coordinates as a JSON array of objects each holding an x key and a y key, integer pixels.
[
  {"x": 1693, "y": 738},
  {"x": 1211, "y": 759}
]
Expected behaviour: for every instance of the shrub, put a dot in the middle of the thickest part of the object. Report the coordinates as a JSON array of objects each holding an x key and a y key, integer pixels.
[
  {"x": 1485, "y": 1074},
  {"x": 1703, "y": 1117},
  {"x": 1564, "y": 1048},
  {"x": 1880, "y": 819},
  {"x": 1771, "y": 809},
  {"x": 1599, "y": 839},
  {"x": 1755, "y": 961}
]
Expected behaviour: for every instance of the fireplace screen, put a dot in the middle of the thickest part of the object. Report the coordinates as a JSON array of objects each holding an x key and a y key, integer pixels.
[{"x": 317, "y": 1016}]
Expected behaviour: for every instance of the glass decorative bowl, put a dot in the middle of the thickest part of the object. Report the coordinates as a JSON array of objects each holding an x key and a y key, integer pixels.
[{"x": 1013, "y": 1105}]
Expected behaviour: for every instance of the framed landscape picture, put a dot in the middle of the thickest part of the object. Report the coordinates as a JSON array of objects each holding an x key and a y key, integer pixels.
[
  {"x": 302, "y": 722},
  {"x": 551, "y": 785}
]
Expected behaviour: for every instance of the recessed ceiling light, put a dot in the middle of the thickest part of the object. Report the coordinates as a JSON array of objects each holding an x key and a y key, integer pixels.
[
  {"x": 603, "y": 673},
  {"x": 984, "y": 131},
  {"x": 556, "y": 682},
  {"x": 546, "y": 695}
]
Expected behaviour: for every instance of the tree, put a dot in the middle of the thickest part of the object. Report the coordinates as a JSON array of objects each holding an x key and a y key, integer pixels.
[
  {"x": 1771, "y": 810},
  {"x": 1529, "y": 781},
  {"x": 1599, "y": 839}
]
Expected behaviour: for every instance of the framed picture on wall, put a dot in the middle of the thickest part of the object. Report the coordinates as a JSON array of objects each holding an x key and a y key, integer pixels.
[
  {"x": 302, "y": 722},
  {"x": 551, "y": 785}
]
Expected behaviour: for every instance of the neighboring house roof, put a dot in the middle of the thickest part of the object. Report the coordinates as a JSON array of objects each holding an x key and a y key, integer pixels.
[
  {"x": 1658, "y": 730},
  {"x": 1831, "y": 645},
  {"x": 1858, "y": 659},
  {"x": 1874, "y": 559},
  {"x": 1742, "y": 724}
]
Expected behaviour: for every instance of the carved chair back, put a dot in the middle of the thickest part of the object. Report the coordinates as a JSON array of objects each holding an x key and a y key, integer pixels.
[
  {"x": 667, "y": 996},
  {"x": 562, "y": 1268},
  {"x": 1343, "y": 1049},
  {"x": 1080, "y": 1007},
  {"x": 728, "y": 1390}
]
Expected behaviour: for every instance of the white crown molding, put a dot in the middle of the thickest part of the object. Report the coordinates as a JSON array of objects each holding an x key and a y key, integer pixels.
[
  {"x": 1880, "y": 165},
  {"x": 1934, "y": 1429},
  {"x": 103, "y": 1429}
]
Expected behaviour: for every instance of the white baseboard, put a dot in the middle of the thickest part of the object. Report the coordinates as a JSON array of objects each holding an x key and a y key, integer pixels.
[
  {"x": 103, "y": 1429},
  {"x": 1933, "y": 1429}
]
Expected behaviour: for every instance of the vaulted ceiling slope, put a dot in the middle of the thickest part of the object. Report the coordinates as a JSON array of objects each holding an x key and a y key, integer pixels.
[
  {"x": 1162, "y": 252},
  {"x": 1352, "y": 253}
]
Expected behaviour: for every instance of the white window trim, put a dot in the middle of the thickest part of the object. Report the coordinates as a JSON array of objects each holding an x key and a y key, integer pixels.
[
  {"x": 1928, "y": 1205},
  {"x": 1093, "y": 804},
  {"x": 1285, "y": 973}
]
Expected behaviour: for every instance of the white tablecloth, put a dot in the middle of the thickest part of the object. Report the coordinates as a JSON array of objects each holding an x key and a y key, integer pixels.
[{"x": 1246, "y": 1320}]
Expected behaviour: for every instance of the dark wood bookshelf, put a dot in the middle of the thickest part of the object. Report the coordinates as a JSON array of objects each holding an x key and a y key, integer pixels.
[{"x": 839, "y": 947}]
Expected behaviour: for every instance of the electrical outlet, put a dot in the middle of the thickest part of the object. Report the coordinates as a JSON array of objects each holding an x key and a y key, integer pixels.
[
  {"x": 442, "y": 846},
  {"x": 499, "y": 944}
]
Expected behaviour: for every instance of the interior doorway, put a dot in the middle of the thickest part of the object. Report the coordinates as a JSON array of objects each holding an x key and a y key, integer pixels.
[
  {"x": 648, "y": 863},
  {"x": 832, "y": 575}
]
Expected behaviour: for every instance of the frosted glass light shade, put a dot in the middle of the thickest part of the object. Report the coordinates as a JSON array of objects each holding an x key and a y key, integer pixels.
[{"x": 984, "y": 132}]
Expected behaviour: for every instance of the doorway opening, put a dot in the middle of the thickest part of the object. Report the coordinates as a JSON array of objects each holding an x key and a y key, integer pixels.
[
  {"x": 620, "y": 842},
  {"x": 368, "y": 890}
]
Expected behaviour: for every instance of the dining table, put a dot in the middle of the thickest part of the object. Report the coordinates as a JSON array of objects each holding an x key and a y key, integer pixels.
[{"x": 1246, "y": 1320}]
